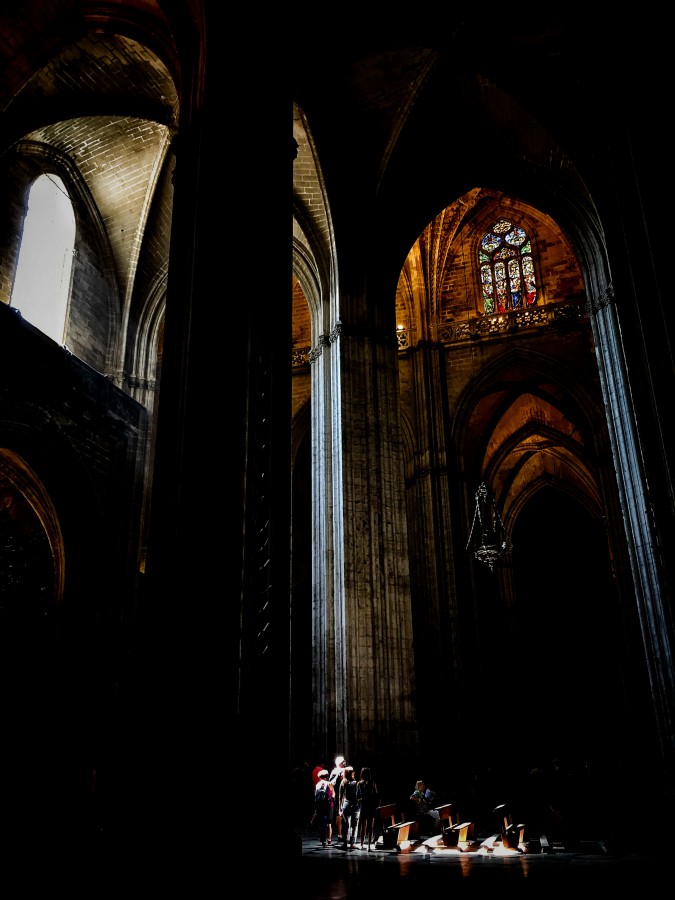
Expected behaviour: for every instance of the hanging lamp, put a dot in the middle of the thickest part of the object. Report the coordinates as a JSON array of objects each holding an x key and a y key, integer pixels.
[{"x": 491, "y": 540}]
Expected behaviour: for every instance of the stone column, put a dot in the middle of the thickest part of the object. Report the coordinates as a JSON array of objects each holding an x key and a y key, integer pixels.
[
  {"x": 214, "y": 626},
  {"x": 377, "y": 650},
  {"x": 430, "y": 474},
  {"x": 653, "y": 612}
]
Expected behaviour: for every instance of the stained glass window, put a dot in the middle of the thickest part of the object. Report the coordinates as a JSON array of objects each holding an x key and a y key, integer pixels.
[{"x": 506, "y": 269}]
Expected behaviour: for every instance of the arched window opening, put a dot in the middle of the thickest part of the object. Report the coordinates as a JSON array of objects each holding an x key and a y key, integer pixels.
[
  {"x": 42, "y": 283},
  {"x": 506, "y": 269}
]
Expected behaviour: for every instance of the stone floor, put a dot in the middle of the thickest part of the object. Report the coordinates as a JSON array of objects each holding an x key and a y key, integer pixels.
[{"x": 331, "y": 873}]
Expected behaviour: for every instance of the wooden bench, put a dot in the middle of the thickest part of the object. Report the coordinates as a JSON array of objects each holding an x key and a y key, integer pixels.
[
  {"x": 453, "y": 832},
  {"x": 396, "y": 835},
  {"x": 512, "y": 834}
]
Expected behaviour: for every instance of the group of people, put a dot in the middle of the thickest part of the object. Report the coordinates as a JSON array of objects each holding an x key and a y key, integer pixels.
[{"x": 345, "y": 806}]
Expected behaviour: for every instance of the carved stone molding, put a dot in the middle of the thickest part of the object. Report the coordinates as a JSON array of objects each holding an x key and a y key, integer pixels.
[
  {"x": 325, "y": 341},
  {"x": 143, "y": 384},
  {"x": 595, "y": 304},
  {"x": 334, "y": 334}
]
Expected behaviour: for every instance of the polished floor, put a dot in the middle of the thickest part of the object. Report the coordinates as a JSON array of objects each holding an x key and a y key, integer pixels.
[
  {"x": 216, "y": 858},
  {"x": 331, "y": 873}
]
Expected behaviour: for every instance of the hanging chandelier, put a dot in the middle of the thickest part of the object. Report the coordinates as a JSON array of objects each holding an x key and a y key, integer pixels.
[{"x": 491, "y": 540}]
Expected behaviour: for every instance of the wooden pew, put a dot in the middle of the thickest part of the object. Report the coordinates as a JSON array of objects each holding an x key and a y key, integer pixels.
[
  {"x": 453, "y": 832},
  {"x": 396, "y": 835},
  {"x": 512, "y": 834}
]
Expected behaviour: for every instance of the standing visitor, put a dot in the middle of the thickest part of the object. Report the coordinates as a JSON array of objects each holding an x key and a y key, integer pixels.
[
  {"x": 349, "y": 806},
  {"x": 335, "y": 778},
  {"x": 369, "y": 800},
  {"x": 324, "y": 801}
]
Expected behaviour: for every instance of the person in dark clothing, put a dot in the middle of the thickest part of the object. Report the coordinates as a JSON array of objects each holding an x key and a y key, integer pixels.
[
  {"x": 349, "y": 806},
  {"x": 369, "y": 800},
  {"x": 422, "y": 799}
]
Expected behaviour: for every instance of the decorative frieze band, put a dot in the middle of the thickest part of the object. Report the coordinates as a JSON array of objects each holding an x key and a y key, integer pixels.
[
  {"x": 144, "y": 384},
  {"x": 563, "y": 313}
]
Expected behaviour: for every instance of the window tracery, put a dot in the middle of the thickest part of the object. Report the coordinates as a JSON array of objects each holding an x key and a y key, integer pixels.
[{"x": 506, "y": 264}]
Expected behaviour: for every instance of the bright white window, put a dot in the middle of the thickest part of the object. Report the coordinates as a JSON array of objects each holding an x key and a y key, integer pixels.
[{"x": 42, "y": 282}]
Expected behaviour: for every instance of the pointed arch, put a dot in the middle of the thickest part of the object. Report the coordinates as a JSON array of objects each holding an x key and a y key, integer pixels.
[
  {"x": 41, "y": 289},
  {"x": 30, "y": 525}
]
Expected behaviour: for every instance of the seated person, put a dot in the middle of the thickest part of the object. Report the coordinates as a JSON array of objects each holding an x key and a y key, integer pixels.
[{"x": 421, "y": 799}]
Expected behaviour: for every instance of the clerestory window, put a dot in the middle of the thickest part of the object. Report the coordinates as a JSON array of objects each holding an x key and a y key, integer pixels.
[
  {"x": 506, "y": 269},
  {"x": 42, "y": 283}
]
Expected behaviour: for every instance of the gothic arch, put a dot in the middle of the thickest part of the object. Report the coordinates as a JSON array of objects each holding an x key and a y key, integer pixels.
[
  {"x": 28, "y": 513},
  {"x": 48, "y": 158}
]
